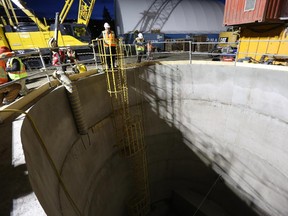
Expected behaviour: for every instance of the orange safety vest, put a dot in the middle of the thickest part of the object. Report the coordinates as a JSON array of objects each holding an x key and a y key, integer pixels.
[
  {"x": 109, "y": 39},
  {"x": 3, "y": 74},
  {"x": 14, "y": 75}
]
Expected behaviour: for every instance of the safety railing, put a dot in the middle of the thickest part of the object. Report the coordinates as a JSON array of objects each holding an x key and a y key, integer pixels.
[
  {"x": 44, "y": 70},
  {"x": 35, "y": 52},
  {"x": 175, "y": 50},
  {"x": 256, "y": 51}
]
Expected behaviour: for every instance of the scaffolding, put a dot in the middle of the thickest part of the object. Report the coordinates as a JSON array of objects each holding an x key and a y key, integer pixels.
[{"x": 128, "y": 126}]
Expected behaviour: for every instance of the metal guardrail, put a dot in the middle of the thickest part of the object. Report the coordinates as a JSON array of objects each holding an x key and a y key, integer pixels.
[
  {"x": 182, "y": 47},
  {"x": 44, "y": 70},
  {"x": 206, "y": 49},
  {"x": 177, "y": 50}
]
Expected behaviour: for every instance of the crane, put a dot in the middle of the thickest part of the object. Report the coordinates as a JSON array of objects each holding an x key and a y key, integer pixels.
[
  {"x": 36, "y": 35},
  {"x": 84, "y": 11},
  {"x": 22, "y": 36},
  {"x": 21, "y": 5}
]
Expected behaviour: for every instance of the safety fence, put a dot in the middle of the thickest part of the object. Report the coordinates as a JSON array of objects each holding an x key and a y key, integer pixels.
[
  {"x": 43, "y": 71},
  {"x": 183, "y": 50},
  {"x": 174, "y": 49},
  {"x": 253, "y": 51}
]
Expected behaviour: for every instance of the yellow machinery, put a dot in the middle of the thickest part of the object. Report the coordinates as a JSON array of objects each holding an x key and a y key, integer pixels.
[
  {"x": 128, "y": 126},
  {"x": 21, "y": 37},
  {"x": 227, "y": 44},
  {"x": 84, "y": 11},
  {"x": 230, "y": 36},
  {"x": 3, "y": 41},
  {"x": 264, "y": 43}
]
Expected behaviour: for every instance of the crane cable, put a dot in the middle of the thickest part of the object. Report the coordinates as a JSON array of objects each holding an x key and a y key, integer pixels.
[
  {"x": 53, "y": 165},
  {"x": 204, "y": 199}
]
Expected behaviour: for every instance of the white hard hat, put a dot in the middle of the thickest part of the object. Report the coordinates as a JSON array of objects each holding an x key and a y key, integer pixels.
[
  {"x": 140, "y": 35},
  {"x": 106, "y": 25}
]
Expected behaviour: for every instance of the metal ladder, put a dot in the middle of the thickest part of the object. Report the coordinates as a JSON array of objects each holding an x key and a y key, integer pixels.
[{"x": 128, "y": 128}]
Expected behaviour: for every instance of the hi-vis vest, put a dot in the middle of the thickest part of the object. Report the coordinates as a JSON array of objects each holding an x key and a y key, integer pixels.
[
  {"x": 109, "y": 39},
  {"x": 16, "y": 74},
  {"x": 3, "y": 74},
  {"x": 140, "y": 44}
]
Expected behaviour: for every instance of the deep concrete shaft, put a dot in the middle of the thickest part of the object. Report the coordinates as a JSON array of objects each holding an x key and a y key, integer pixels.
[{"x": 200, "y": 121}]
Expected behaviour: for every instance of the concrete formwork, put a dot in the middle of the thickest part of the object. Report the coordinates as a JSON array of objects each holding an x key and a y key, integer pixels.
[{"x": 234, "y": 120}]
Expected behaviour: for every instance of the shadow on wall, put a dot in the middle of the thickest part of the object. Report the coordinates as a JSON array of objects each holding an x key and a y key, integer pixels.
[
  {"x": 14, "y": 181},
  {"x": 181, "y": 180},
  {"x": 178, "y": 176}
]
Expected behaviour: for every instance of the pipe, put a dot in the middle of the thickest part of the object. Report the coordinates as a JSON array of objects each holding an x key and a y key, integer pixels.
[
  {"x": 56, "y": 28},
  {"x": 77, "y": 110}
]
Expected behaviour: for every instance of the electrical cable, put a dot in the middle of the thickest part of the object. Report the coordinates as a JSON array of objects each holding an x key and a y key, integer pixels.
[{"x": 204, "y": 199}]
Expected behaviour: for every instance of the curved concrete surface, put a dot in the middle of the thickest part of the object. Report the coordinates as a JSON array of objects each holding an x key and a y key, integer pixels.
[{"x": 200, "y": 121}]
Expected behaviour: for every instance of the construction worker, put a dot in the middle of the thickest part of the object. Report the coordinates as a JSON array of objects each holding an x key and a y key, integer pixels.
[
  {"x": 58, "y": 58},
  {"x": 71, "y": 55},
  {"x": 10, "y": 92},
  {"x": 56, "y": 61},
  {"x": 110, "y": 43},
  {"x": 16, "y": 71},
  {"x": 140, "y": 46},
  {"x": 150, "y": 48}
]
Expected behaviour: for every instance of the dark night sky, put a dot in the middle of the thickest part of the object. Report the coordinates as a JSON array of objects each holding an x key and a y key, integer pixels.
[{"x": 48, "y": 8}]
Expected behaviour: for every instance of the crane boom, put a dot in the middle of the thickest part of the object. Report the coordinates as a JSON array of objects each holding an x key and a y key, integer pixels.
[
  {"x": 7, "y": 8},
  {"x": 24, "y": 36},
  {"x": 20, "y": 5},
  {"x": 65, "y": 10},
  {"x": 85, "y": 11}
]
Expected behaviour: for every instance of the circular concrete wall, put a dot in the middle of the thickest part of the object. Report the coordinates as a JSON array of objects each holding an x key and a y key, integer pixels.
[{"x": 200, "y": 121}]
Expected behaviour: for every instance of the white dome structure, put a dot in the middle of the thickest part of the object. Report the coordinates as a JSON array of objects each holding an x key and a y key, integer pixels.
[{"x": 170, "y": 16}]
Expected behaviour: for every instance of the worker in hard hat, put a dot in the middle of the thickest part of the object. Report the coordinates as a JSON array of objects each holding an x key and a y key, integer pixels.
[
  {"x": 59, "y": 59},
  {"x": 140, "y": 46},
  {"x": 17, "y": 71},
  {"x": 10, "y": 92},
  {"x": 110, "y": 43},
  {"x": 71, "y": 55},
  {"x": 149, "y": 51}
]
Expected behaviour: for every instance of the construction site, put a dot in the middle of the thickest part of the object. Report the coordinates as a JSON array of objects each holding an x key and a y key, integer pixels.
[{"x": 196, "y": 127}]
